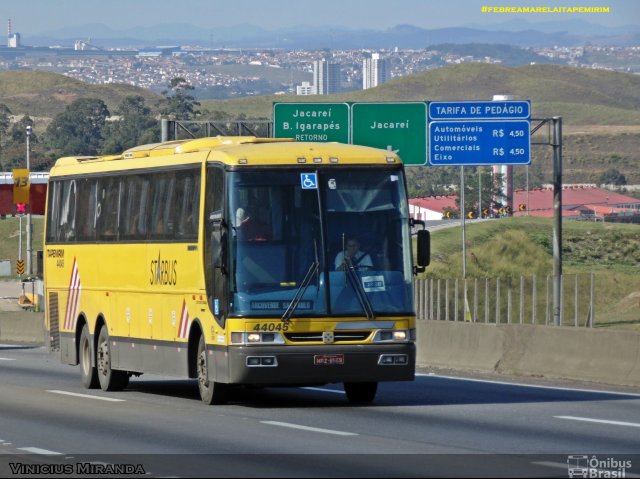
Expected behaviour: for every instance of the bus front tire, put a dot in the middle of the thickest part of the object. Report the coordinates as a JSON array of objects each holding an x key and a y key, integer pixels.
[
  {"x": 361, "y": 393},
  {"x": 88, "y": 373},
  {"x": 211, "y": 392},
  {"x": 110, "y": 379}
]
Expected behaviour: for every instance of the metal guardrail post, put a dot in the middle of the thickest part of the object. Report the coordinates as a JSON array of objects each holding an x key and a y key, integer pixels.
[
  {"x": 534, "y": 303},
  {"x": 486, "y": 300},
  {"x": 497, "y": 300},
  {"x": 575, "y": 308},
  {"x": 521, "y": 299},
  {"x": 592, "y": 313}
]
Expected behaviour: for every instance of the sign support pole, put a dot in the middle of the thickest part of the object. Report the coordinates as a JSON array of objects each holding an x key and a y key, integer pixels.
[
  {"x": 29, "y": 227},
  {"x": 557, "y": 220}
]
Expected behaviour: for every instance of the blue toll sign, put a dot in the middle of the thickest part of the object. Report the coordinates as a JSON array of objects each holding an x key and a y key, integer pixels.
[
  {"x": 461, "y": 143},
  {"x": 479, "y": 110}
]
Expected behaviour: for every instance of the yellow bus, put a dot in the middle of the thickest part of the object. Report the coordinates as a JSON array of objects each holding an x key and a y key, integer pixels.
[{"x": 239, "y": 261}]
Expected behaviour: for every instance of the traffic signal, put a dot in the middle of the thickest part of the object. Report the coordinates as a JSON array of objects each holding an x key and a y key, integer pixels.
[{"x": 522, "y": 207}]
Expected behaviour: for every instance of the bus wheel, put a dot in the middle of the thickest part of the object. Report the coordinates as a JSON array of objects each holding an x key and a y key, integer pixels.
[
  {"x": 87, "y": 372},
  {"x": 110, "y": 380},
  {"x": 211, "y": 392},
  {"x": 361, "y": 392}
]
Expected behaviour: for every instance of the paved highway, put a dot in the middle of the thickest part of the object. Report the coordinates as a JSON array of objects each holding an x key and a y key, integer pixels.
[{"x": 437, "y": 425}]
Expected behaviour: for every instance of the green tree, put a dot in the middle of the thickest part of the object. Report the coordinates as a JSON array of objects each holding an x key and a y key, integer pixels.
[
  {"x": 134, "y": 125},
  {"x": 14, "y": 151},
  {"x": 78, "y": 130},
  {"x": 181, "y": 105},
  {"x": 612, "y": 177},
  {"x": 5, "y": 122},
  {"x": 483, "y": 187}
]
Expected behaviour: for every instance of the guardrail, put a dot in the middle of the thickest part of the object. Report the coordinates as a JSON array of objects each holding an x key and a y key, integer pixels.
[{"x": 523, "y": 300}]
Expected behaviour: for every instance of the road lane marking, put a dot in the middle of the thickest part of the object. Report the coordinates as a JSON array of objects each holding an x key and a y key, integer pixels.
[
  {"x": 307, "y": 428},
  {"x": 538, "y": 386},
  {"x": 86, "y": 396},
  {"x": 334, "y": 391},
  {"x": 599, "y": 421},
  {"x": 37, "y": 450},
  {"x": 7, "y": 359}
]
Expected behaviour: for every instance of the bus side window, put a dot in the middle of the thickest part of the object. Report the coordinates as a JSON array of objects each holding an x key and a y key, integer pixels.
[
  {"x": 55, "y": 188},
  {"x": 187, "y": 207},
  {"x": 133, "y": 211},
  {"x": 159, "y": 226},
  {"x": 66, "y": 224},
  {"x": 108, "y": 209}
]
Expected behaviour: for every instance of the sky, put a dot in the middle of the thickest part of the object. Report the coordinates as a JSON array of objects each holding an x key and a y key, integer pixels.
[{"x": 41, "y": 16}]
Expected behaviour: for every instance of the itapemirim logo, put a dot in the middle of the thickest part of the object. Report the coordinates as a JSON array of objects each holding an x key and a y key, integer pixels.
[{"x": 585, "y": 466}]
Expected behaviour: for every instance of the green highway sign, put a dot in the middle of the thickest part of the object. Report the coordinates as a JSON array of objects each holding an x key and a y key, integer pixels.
[
  {"x": 397, "y": 127},
  {"x": 311, "y": 121}
]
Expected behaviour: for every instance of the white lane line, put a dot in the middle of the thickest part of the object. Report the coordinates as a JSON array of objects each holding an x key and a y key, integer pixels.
[
  {"x": 537, "y": 386},
  {"x": 599, "y": 421},
  {"x": 334, "y": 391},
  {"x": 37, "y": 450},
  {"x": 7, "y": 359},
  {"x": 86, "y": 396},
  {"x": 307, "y": 428}
]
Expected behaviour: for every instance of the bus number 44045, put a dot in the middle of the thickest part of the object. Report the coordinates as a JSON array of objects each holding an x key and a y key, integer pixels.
[{"x": 284, "y": 326}]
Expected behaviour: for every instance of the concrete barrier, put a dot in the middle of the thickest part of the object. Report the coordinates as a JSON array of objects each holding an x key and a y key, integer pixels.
[
  {"x": 606, "y": 356},
  {"x": 22, "y": 327}
]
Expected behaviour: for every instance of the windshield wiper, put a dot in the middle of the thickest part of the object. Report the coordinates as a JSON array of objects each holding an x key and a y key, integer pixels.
[
  {"x": 361, "y": 294},
  {"x": 313, "y": 269}
]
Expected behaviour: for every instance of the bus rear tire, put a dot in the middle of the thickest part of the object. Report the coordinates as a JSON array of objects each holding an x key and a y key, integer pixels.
[
  {"x": 361, "y": 393},
  {"x": 211, "y": 392},
  {"x": 110, "y": 379},
  {"x": 88, "y": 373}
]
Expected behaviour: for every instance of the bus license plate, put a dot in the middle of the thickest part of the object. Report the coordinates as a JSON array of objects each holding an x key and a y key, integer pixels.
[{"x": 328, "y": 359}]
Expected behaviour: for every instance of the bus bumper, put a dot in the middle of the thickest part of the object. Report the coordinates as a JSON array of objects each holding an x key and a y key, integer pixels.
[{"x": 302, "y": 365}]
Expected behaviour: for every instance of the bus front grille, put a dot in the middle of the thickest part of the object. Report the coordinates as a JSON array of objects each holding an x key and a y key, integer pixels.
[{"x": 338, "y": 336}]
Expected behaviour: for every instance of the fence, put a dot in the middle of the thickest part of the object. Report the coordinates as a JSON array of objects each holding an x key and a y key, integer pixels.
[{"x": 524, "y": 300}]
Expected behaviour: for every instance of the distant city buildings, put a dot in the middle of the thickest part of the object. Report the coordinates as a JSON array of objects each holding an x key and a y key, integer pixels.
[
  {"x": 375, "y": 71},
  {"x": 326, "y": 78},
  {"x": 305, "y": 89},
  {"x": 234, "y": 72}
]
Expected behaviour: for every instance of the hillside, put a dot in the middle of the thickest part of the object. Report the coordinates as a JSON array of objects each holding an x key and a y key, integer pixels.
[
  {"x": 514, "y": 247},
  {"x": 580, "y": 96},
  {"x": 43, "y": 94},
  {"x": 600, "y": 109}
]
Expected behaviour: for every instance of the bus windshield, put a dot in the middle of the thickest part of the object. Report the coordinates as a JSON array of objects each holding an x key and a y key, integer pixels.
[{"x": 323, "y": 242}]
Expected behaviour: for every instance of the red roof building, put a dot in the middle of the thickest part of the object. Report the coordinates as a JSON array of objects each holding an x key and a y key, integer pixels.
[{"x": 577, "y": 201}]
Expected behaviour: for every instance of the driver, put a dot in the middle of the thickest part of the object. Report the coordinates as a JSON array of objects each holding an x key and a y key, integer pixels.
[{"x": 352, "y": 251}]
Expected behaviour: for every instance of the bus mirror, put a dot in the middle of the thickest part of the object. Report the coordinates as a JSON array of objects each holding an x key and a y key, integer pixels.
[
  {"x": 215, "y": 217},
  {"x": 219, "y": 250},
  {"x": 424, "y": 250}
]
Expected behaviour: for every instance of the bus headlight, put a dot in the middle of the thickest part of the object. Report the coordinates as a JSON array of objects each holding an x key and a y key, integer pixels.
[
  {"x": 394, "y": 336},
  {"x": 238, "y": 337}
]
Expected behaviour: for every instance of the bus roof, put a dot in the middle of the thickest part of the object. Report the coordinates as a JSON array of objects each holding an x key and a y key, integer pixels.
[{"x": 230, "y": 150}]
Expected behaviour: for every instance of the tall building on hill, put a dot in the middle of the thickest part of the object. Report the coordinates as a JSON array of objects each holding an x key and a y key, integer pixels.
[
  {"x": 375, "y": 71},
  {"x": 13, "y": 39},
  {"x": 326, "y": 78}
]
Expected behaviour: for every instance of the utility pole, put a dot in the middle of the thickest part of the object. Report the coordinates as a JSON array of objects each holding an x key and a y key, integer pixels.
[{"x": 29, "y": 226}]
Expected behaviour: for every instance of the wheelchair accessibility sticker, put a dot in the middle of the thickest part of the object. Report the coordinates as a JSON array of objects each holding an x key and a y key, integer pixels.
[{"x": 309, "y": 181}]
